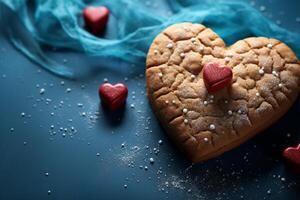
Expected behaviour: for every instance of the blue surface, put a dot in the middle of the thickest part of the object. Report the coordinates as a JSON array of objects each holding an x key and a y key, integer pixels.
[{"x": 89, "y": 161}]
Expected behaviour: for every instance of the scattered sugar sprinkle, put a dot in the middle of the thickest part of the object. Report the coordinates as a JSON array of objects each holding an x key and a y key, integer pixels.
[
  {"x": 270, "y": 46},
  {"x": 227, "y": 59},
  {"x": 261, "y": 71},
  {"x": 257, "y": 94},
  {"x": 280, "y": 85},
  {"x": 186, "y": 121},
  {"x": 193, "y": 76},
  {"x": 173, "y": 102},
  {"x": 167, "y": 102},
  {"x": 155, "y": 52},
  {"x": 240, "y": 111},
  {"x": 185, "y": 110},
  {"x": 205, "y": 139},
  {"x": 274, "y": 73},
  {"x": 151, "y": 160},
  {"x": 160, "y": 74},
  {"x": 201, "y": 48},
  {"x": 205, "y": 103},
  {"x": 170, "y": 46},
  {"x": 229, "y": 112},
  {"x": 212, "y": 127},
  {"x": 182, "y": 55},
  {"x": 193, "y": 39},
  {"x": 105, "y": 80},
  {"x": 42, "y": 90},
  {"x": 68, "y": 90},
  {"x": 160, "y": 142}
]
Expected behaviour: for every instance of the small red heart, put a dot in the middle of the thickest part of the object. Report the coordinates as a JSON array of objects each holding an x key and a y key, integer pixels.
[
  {"x": 292, "y": 155},
  {"x": 95, "y": 19},
  {"x": 216, "y": 77},
  {"x": 113, "y": 96}
]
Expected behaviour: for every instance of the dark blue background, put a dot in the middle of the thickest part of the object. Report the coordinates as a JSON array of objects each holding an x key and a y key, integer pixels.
[{"x": 83, "y": 153}]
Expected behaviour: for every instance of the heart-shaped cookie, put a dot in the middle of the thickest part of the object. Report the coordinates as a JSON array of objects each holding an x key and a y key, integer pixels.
[
  {"x": 113, "y": 96},
  {"x": 95, "y": 19},
  {"x": 216, "y": 77},
  {"x": 292, "y": 155},
  {"x": 264, "y": 85}
]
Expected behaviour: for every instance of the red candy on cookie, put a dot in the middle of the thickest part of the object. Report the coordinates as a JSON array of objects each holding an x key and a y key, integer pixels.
[
  {"x": 292, "y": 155},
  {"x": 95, "y": 19},
  {"x": 113, "y": 96},
  {"x": 216, "y": 77}
]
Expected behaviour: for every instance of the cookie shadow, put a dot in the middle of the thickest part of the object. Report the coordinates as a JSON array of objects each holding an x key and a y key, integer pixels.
[{"x": 113, "y": 118}]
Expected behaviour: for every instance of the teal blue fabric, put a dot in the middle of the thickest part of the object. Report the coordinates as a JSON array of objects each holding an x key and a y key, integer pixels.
[{"x": 58, "y": 23}]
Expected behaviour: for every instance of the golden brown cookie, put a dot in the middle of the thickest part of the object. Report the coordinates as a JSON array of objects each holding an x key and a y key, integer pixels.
[{"x": 265, "y": 84}]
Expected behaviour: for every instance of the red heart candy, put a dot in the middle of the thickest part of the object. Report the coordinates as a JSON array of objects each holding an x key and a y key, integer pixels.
[
  {"x": 95, "y": 19},
  {"x": 216, "y": 77},
  {"x": 292, "y": 155},
  {"x": 113, "y": 96}
]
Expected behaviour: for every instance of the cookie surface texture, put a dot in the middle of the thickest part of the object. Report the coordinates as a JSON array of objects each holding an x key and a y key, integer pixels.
[{"x": 265, "y": 83}]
